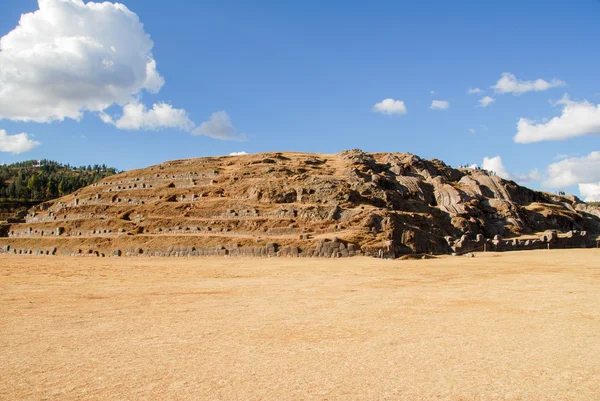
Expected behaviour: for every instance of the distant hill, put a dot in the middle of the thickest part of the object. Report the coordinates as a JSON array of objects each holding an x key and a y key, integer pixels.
[{"x": 42, "y": 180}]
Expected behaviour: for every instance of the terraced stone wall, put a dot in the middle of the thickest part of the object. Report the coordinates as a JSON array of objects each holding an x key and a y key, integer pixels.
[{"x": 324, "y": 248}]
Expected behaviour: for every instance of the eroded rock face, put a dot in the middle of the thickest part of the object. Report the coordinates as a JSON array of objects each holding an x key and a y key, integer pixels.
[{"x": 395, "y": 203}]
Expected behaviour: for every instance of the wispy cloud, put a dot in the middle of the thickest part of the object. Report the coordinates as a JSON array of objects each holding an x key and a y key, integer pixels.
[
  {"x": 439, "y": 105},
  {"x": 508, "y": 83},
  {"x": 486, "y": 101},
  {"x": 219, "y": 126}
]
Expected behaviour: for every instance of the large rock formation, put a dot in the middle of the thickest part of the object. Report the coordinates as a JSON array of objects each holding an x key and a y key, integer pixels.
[{"x": 298, "y": 204}]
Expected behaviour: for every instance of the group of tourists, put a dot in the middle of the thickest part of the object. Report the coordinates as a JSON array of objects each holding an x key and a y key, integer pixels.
[{"x": 476, "y": 168}]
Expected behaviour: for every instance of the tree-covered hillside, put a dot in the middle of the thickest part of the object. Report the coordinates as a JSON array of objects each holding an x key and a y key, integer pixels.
[{"x": 40, "y": 180}]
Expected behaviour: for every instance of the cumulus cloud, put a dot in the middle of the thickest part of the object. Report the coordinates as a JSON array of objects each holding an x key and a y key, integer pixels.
[
  {"x": 17, "y": 143},
  {"x": 495, "y": 164},
  {"x": 590, "y": 192},
  {"x": 575, "y": 170},
  {"x": 473, "y": 91},
  {"x": 577, "y": 119},
  {"x": 390, "y": 106},
  {"x": 583, "y": 171},
  {"x": 162, "y": 115},
  {"x": 486, "y": 101},
  {"x": 219, "y": 126},
  {"x": 69, "y": 57},
  {"x": 508, "y": 83},
  {"x": 238, "y": 153},
  {"x": 472, "y": 130},
  {"x": 439, "y": 105}
]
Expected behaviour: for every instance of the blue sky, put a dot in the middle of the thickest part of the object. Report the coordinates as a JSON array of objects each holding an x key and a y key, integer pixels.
[{"x": 305, "y": 76}]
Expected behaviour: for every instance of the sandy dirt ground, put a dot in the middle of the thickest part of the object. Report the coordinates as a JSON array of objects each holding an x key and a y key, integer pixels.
[{"x": 512, "y": 326}]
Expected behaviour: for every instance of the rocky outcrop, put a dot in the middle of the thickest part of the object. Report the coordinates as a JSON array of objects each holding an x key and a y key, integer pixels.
[{"x": 380, "y": 204}]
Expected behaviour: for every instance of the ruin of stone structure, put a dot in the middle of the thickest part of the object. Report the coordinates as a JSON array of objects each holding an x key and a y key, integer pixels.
[{"x": 301, "y": 205}]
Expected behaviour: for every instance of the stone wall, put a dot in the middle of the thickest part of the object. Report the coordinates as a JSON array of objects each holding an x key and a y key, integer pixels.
[
  {"x": 549, "y": 240},
  {"x": 324, "y": 248}
]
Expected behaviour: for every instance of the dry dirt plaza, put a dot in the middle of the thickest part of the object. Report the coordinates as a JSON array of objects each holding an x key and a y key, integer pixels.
[{"x": 510, "y": 326}]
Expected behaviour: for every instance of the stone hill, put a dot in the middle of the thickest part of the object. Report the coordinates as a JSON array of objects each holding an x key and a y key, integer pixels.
[{"x": 299, "y": 204}]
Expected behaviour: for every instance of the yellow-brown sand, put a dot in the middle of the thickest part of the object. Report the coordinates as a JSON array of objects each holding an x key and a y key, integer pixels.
[{"x": 512, "y": 326}]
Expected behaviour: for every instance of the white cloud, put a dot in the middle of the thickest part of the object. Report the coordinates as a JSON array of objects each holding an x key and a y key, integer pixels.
[
  {"x": 17, "y": 143},
  {"x": 533, "y": 175},
  {"x": 486, "y": 101},
  {"x": 577, "y": 119},
  {"x": 495, "y": 164},
  {"x": 473, "y": 91},
  {"x": 69, "y": 57},
  {"x": 439, "y": 105},
  {"x": 390, "y": 106},
  {"x": 472, "y": 130},
  {"x": 219, "y": 126},
  {"x": 508, "y": 83},
  {"x": 242, "y": 153},
  {"x": 562, "y": 156},
  {"x": 576, "y": 170},
  {"x": 590, "y": 192},
  {"x": 162, "y": 115},
  {"x": 432, "y": 92},
  {"x": 583, "y": 171}
]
